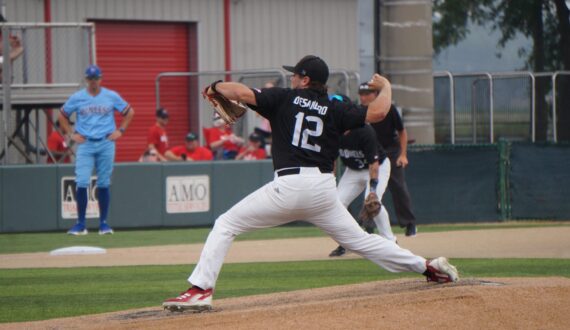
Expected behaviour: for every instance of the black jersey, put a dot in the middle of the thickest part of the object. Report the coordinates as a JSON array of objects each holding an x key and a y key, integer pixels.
[
  {"x": 305, "y": 126},
  {"x": 359, "y": 148},
  {"x": 387, "y": 130}
]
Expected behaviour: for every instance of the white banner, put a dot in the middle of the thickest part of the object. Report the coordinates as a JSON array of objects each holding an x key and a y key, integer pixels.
[
  {"x": 69, "y": 201},
  {"x": 188, "y": 194}
]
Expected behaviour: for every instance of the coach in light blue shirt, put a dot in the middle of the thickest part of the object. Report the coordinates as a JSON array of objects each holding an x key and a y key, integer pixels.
[{"x": 95, "y": 133}]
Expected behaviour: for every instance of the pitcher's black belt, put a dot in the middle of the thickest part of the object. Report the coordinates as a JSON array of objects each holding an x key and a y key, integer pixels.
[{"x": 292, "y": 170}]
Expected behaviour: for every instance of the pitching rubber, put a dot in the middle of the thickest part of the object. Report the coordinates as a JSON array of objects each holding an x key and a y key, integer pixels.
[{"x": 191, "y": 309}]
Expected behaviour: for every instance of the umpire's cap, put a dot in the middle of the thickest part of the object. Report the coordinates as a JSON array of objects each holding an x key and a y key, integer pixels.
[
  {"x": 93, "y": 71},
  {"x": 364, "y": 88},
  {"x": 311, "y": 66}
]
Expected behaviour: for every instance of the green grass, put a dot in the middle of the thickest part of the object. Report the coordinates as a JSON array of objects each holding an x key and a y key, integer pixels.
[
  {"x": 38, "y": 294},
  {"x": 44, "y": 242}
]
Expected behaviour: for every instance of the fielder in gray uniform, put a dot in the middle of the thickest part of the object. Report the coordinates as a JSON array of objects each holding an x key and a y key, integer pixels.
[{"x": 306, "y": 127}]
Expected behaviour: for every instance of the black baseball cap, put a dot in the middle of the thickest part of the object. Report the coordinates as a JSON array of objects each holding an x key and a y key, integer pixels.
[
  {"x": 311, "y": 66},
  {"x": 365, "y": 88},
  {"x": 191, "y": 137},
  {"x": 255, "y": 137},
  {"x": 162, "y": 113}
]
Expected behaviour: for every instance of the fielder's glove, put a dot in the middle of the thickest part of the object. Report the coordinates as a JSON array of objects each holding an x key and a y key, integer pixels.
[
  {"x": 229, "y": 110},
  {"x": 371, "y": 207}
]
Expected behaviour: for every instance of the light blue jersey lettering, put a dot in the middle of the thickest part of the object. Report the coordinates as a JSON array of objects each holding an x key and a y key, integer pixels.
[{"x": 95, "y": 114}]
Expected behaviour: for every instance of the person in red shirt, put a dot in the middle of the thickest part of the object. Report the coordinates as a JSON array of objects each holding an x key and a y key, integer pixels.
[
  {"x": 221, "y": 139},
  {"x": 191, "y": 151},
  {"x": 254, "y": 149},
  {"x": 157, "y": 138},
  {"x": 58, "y": 147}
]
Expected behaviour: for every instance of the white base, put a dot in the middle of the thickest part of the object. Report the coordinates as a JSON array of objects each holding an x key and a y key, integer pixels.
[{"x": 74, "y": 250}]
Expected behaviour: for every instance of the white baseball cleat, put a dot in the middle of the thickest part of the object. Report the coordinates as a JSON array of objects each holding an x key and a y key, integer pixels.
[
  {"x": 105, "y": 229},
  {"x": 441, "y": 271},
  {"x": 194, "y": 299},
  {"x": 78, "y": 230}
]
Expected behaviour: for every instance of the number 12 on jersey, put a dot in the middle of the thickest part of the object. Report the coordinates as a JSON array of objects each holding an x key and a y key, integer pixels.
[{"x": 301, "y": 136}]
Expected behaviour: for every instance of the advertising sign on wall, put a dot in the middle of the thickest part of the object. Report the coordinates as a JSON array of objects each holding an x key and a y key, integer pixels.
[
  {"x": 69, "y": 202},
  {"x": 188, "y": 194}
]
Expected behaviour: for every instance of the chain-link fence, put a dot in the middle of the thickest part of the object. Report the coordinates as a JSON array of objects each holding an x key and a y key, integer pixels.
[
  {"x": 513, "y": 107},
  {"x": 42, "y": 65},
  {"x": 471, "y": 108}
]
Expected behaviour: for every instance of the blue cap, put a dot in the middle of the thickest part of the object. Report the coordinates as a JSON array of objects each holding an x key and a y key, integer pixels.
[
  {"x": 93, "y": 71},
  {"x": 340, "y": 97}
]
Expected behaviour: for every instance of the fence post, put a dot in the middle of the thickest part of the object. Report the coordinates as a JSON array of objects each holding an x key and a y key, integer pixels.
[
  {"x": 554, "y": 94},
  {"x": 491, "y": 109},
  {"x": 504, "y": 165},
  {"x": 6, "y": 85}
]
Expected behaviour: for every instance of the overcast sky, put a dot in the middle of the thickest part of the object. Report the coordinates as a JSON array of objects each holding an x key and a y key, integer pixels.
[{"x": 478, "y": 53}]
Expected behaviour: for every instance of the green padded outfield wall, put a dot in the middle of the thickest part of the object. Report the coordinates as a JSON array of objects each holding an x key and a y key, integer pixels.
[
  {"x": 1, "y": 199},
  {"x": 28, "y": 198},
  {"x": 185, "y": 192},
  {"x": 176, "y": 194},
  {"x": 539, "y": 181},
  {"x": 447, "y": 185},
  {"x": 136, "y": 196},
  {"x": 456, "y": 184},
  {"x": 42, "y": 197}
]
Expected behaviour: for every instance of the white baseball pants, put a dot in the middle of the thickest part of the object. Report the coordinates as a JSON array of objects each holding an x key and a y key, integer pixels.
[
  {"x": 354, "y": 182},
  {"x": 311, "y": 196}
]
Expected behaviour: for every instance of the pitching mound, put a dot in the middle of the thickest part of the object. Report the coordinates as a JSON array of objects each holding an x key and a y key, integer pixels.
[{"x": 506, "y": 303}]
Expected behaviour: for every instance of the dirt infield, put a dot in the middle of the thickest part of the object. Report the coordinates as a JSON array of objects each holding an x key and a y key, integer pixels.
[
  {"x": 541, "y": 242},
  {"x": 472, "y": 303},
  {"x": 514, "y": 303}
]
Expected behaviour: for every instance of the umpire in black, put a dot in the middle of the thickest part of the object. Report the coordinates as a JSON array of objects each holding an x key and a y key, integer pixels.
[{"x": 393, "y": 137}]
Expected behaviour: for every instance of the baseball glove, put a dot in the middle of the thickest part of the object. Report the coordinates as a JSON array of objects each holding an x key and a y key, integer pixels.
[
  {"x": 371, "y": 207},
  {"x": 229, "y": 110}
]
